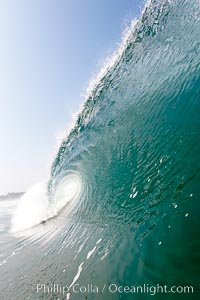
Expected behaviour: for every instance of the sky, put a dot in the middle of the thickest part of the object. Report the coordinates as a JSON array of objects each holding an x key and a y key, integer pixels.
[{"x": 50, "y": 49}]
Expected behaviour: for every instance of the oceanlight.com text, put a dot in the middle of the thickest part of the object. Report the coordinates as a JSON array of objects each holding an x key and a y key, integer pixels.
[
  {"x": 150, "y": 289},
  {"x": 112, "y": 288}
]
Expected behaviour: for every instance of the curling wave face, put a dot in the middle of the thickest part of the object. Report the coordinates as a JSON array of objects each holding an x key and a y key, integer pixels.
[{"x": 126, "y": 178}]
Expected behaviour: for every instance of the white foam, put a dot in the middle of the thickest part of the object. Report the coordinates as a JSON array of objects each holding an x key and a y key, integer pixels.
[
  {"x": 32, "y": 209},
  {"x": 34, "y": 206},
  {"x": 91, "y": 252}
]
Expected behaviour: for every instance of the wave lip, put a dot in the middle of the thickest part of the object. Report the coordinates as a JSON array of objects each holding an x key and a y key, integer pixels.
[{"x": 66, "y": 193}]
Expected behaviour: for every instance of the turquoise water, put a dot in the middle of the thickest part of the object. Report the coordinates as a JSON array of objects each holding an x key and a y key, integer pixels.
[{"x": 132, "y": 160}]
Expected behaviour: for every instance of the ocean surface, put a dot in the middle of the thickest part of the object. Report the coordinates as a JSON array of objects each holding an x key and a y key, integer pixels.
[{"x": 121, "y": 208}]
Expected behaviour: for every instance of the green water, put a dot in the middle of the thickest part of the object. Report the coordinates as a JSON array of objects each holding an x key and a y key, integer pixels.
[{"x": 135, "y": 148}]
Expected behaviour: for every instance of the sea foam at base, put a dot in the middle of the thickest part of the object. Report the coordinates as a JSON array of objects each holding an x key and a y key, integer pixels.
[{"x": 35, "y": 207}]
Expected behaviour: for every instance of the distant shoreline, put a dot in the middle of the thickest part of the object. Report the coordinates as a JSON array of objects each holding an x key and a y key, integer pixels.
[{"x": 11, "y": 196}]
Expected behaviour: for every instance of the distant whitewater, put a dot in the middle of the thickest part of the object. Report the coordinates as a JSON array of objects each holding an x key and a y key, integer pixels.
[{"x": 122, "y": 202}]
